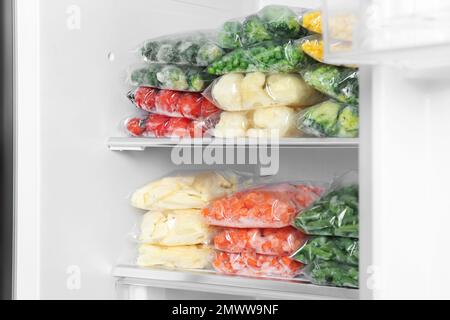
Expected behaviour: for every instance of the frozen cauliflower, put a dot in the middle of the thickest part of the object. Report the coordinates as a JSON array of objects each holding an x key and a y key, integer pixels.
[
  {"x": 277, "y": 121},
  {"x": 232, "y": 125},
  {"x": 227, "y": 92},
  {"x": 254, "y": 94}
]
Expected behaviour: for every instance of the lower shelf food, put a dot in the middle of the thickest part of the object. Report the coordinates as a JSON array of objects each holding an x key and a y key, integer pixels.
[
  {"x": 252, "y": 264},
  {"x": 329, "y": 273}
]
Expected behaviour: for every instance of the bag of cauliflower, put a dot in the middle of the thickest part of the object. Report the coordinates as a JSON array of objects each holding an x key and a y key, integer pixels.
[{"x": 252, "y": 91}]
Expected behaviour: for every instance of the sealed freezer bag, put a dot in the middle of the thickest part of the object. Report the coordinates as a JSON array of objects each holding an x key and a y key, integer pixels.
[
  {"x": 340, "y": 83},
  {"x": 341, "y": 250},
  {"x": 268, "y": 206},
  {"x": 256, "y": 265},
  {"x": 271, "y": 56},
  {"x": 188, "y": 190},
  {"x": 197, "y": 48},
  {"x": 171, "y": 77},
  {"x": 182, "y": 257},
  {"x": 329, "y": 273},
  {"x": 252, "y": 91},
  {"x": 274, "y": 242},
  {"x": 330, "y": 119},
  {"x": 336, "y": 213},
  {"x": 313, "y": 46},
  {"x": 174, "y": 228},
  {"x": 312, "y": 21},
  {"x": 340, "y": 26},
  {"x": 173, "y": 103},
  {"x": 273, "y": 22}
]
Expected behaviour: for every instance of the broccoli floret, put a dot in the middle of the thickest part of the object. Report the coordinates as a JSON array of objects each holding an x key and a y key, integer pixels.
[
  {"x": 254, "y": 31},
  {"x": 348, "y": 122},
  {"x": 145, "y": 76},
  {"x": 167, "y": 54},
  {"x": 188, "y": 52},
  {"x": 321, "y": 120},
  {"x": 209, "y": 53},
  {"x": 229, "y": 36},
  {"x": 282, "y": 22},
  {"x": 149, "y": 50},
  {"x": 172, "y": 77}
]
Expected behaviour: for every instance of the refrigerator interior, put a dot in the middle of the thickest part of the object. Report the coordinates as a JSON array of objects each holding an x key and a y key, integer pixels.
[{"x": 73, "y": 215}]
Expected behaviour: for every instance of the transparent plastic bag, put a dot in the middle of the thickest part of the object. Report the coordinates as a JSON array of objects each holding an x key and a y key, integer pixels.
[
  {"x": 273, "y": 242},
  {"x": 271, "y": 56},
  {"x": 252, "y": 91},
  {"x": 330, "y": 119},
  {"x": 273, "y": 22},
  {"x": 336, "y": 213},
  {"x": 340, "y": 83},
  {"x": 313, "y": 46},
  {"x": 255, "y": 265},
  {"x": 174, "y": 228},
  {"x": 173, "y": 103},
  {"x": 329, "y": 273},
  {"x": 182, "y": 257},
  {"x": 312, "y": 21},
  {"x": 341, "y": 250},
  {"x": 197, "y": 48},
  {"x": 170, "y": 77},
  {"x": 267, "y": 206},
  {"x": 189, "y": 189}
]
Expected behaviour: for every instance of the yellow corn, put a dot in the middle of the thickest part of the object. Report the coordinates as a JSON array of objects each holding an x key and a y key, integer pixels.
[
  {"x": 312, "y": 21},
  {"x": 314, "y": 49}
]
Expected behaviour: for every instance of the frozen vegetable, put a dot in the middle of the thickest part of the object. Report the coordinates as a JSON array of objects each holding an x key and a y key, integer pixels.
[
  {"x": 174, "y": 228},
  {"x": 182, "y": 257},
  {"x": 274, "y": 242},
  {"x": 252, "y": 264},
  {"x": 185, "y": 191},
  {"x": 313, "y": 47},
  {"x": 319, "y": 248},
  {"x": 340, "y": 83},
  {"x": 270, "y": 206},
  {"x": 336, "y": 214},
  {"x": 242, "y": 92},
  {"x": 312, "y": 21},
  {"x": 332, "y": 274},
  {"x": 173, "y": 103},
  {"x": 330, "y": 119},
  {"x": 195, "y": 49},
  {"x": 232, "y": 125},
  {"x": 171, "y": 77}
]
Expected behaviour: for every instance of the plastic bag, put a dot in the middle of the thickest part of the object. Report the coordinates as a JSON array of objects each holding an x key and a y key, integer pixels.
[
  {"x": 330, "y": 119},
  {"x": 174, "y": 228},
  {"x": 272, "y": 56},
  {"x": 173, "y": 103},
  {"x": 182, "y": 257},
  {"x": 312, "y": 21},
  {"x": 198, "y": 48},
  {"x": 189, "y": 190},
  {"x": 252, "y": 264},
  {"x": 313, "y": 47},
  {"x": 336, "y": 213},
  {"x": 268, "y": 206},
  {"x": 262, "y": 123},
  {"x": 273, "y": 22},
  {"x": 340, "y": 83},
  {"x": 341, "y": 250},
  {"x": 329, "y": 273},
  {"x": 273, "y": 242},
  {"x": 171, "y": 77},
  {"x": 251, "y": 91}
]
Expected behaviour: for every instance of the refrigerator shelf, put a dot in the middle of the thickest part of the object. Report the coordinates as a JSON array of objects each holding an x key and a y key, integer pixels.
[
  {"x": 140, "y": 144},
  {"x": 206, "y": 281}
]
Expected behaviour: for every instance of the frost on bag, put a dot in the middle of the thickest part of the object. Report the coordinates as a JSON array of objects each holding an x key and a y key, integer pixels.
[
  {"x": 330, "y": 119},
  {"x": 273, "y": 22},
  {"x": 269, "y": 206},
  {"x": 340, "y": 83},
  {"x": 252, "y": 91},
  {"x": 271, "y": 56},
  {"x": 329, "y": 273},
  {"x": 171, "y": 77},
  {"x": 255, "y": 265},
  {"x": 318, "y": 248},
  {"x": 273, "y": 242},
  {"x": 173, "y": 103},
  {"x": 188, "y": 190},
  {"x": 174, "y": 228},
  {"x": 336, "y": 213},
  {"x": 195, "y": 49}
]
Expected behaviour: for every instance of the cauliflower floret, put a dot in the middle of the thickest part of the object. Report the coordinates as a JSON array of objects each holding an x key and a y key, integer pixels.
[
  {"x": 232, "y": 125},
  {"x": 279, "y": 121},
  {"x": 254, "y": 94},
  {"x": 227, "y": 92},
  {"x": 291, "y": 90}
]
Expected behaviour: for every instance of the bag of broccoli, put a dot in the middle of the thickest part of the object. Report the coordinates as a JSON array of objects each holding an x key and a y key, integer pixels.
[
  {"x": 198, "y": 48},
  {"x": 330, "y": 273},
  {"x": 171, "y": 77},
  {"x": 336, "y": 213},
  {"x": 330, "y": 119}
]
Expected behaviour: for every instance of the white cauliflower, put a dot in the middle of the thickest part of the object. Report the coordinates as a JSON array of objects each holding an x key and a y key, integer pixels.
[
  {"x": 227, "y": 92},
  {"x": 254, "y": 94},
  {"x": 232, "y": 125},
  {"x": 279, "y": 121}
]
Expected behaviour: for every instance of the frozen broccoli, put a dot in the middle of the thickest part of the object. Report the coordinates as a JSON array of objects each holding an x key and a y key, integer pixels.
[
  {"x": 348, "y": 122},
  {"x": 332, "y": 273},
  {"x": 167, "y": 54},
  {"x": 150, "y": 49},
  {"x": 229, "y": 36},
  {"x": 282, "y": 22},
  {"x": 188, "y": 52},
  {"x": 321, "y": 120},
  {"x": 254, "y": 31},
  {"x": 172, "y": 77},
  {"x": 209, "y": 53},
  {"x": 145, "y": 76}
]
